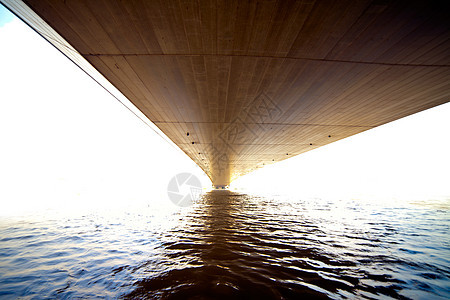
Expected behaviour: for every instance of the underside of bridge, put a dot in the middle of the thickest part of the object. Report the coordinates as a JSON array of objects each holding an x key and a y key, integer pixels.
[{"x": 242, "y": 84}]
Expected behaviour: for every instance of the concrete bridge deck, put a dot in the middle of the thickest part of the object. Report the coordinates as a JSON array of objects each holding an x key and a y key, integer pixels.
[{"x": 241, "y": 84}]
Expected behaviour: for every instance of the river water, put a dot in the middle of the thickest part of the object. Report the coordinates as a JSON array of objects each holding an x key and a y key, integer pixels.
[{"x": 232, "y": 246}]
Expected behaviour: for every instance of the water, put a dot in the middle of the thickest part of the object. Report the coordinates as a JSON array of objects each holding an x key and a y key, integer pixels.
[{"x": 230, "y": 245}]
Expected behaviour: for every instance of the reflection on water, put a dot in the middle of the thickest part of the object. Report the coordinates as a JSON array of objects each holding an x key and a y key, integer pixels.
[{"x": 231, "y": 245}]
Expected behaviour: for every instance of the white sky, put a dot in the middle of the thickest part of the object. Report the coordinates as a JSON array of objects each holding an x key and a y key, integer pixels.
[{"x": 64, "y": 140}]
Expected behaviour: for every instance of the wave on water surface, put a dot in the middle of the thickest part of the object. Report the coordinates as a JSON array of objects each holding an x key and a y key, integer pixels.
[{"x": 232, "y": 246}]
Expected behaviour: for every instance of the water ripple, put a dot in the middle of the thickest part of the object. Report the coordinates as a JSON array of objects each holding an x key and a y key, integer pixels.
[{"x": 231, "y": 245}]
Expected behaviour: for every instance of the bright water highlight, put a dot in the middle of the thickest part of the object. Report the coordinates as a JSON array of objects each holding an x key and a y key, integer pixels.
[{"x": 230, "y": 245}]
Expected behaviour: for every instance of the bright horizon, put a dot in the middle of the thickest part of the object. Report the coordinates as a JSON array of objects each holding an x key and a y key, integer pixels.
[{"x": 66, "y": 142}]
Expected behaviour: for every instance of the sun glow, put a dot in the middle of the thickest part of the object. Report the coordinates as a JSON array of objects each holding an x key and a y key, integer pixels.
[
  {"x": 405, "y": 159},
  {"x": 66, "y": 143}
]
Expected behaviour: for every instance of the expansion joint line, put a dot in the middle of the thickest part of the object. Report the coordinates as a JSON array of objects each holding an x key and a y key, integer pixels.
[{"x": 268, "y": 57}]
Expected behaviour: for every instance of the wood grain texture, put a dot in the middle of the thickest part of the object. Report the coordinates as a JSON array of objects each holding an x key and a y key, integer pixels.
[{"x": 256, "y": 82}]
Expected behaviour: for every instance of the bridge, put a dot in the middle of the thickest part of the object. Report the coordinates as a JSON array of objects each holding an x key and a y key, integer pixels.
[{"x": 238, "y": 85}]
